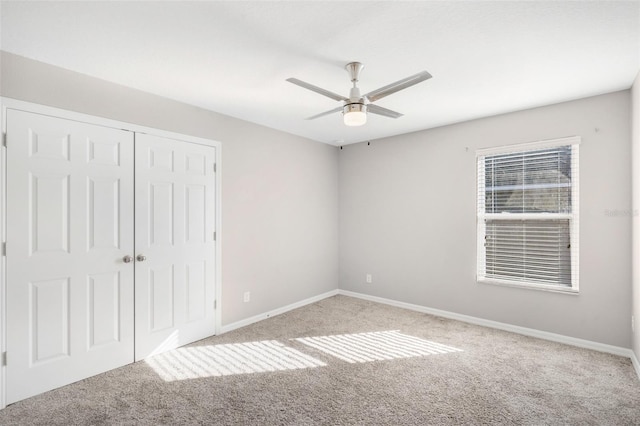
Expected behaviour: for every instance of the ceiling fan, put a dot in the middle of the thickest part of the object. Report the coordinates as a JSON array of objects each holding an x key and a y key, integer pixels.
[{"x": 355, "y": 107}]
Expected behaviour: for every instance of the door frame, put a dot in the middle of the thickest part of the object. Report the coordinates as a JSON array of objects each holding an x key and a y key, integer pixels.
[{"x": 9, "y": 103}]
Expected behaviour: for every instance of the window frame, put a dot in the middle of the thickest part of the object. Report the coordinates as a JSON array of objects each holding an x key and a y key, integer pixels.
[{"x": 573, "y": 216}]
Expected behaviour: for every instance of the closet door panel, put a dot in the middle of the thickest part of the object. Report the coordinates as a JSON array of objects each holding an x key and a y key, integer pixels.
[
  {"x": 69, "y": 225},
  {"x": 175, "y": 220}
]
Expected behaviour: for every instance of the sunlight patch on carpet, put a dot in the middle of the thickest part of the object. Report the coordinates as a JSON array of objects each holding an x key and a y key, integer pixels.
[
  {"x": 222, "y": 360},
  {"x": 375, "y": 346}
]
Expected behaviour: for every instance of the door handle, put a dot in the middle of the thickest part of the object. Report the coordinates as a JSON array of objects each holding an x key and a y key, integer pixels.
[
  {"x": 127, "y": 259},
  {"x": 141, "y": 258}
]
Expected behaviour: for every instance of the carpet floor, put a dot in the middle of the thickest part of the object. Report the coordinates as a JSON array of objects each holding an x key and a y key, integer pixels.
[{"x": 346, "y": 361}]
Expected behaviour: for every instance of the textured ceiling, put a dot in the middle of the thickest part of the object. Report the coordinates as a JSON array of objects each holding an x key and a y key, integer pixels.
[{"x": 486, "y": 58}]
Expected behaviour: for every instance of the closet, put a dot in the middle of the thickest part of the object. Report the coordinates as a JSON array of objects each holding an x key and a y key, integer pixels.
[{"x": 111, "y": 247}]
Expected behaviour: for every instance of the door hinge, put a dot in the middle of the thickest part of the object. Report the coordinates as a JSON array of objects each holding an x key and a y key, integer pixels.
[
  {"x": 4, "y": 139},
  {"x": 215, "y": 167},
  {"x": 214, "y": 236},
  {"x": 4, "y": 249},
  {"x": 4, "y": 359},
  {"x": 215, "y": 304}
]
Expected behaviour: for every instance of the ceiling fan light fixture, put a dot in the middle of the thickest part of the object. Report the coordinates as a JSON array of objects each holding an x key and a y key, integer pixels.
[{"x": 354, "y": 114}]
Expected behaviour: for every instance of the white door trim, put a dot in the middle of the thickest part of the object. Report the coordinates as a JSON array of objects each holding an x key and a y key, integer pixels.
[{"x": 9, "y": 103}]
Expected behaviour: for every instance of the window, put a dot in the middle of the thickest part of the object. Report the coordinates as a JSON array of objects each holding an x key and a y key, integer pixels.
[{"x": 528, "y": 215}]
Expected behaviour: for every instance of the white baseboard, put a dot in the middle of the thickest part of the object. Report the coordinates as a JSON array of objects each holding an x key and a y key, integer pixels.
[
  {"x": 601, "y": 347},
  {"x": 251, "y": 320},
  {"x": 636, "y": 363},
  {"x": 587, "y": 344}
]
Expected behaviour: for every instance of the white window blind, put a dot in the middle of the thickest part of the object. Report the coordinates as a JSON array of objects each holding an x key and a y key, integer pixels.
[{"x": 528, "y": 215}]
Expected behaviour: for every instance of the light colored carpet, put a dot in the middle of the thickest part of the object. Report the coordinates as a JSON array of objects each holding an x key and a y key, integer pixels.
[{"x": 348, "y": 361}]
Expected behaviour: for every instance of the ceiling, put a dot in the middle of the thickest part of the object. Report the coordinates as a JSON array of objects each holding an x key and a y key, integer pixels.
[{"x": 486, "y": 58}]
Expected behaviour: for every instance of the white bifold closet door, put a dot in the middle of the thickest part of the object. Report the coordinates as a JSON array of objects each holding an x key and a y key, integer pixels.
[
  {"x": 175, "y": 225},
  {"x": 69, "y": 225},
  {"x": 71, "y": 294}
]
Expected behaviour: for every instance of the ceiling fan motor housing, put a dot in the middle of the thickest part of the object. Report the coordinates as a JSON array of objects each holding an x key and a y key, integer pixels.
[
  {"x": 354, "y": 107},
  {"x": 355, "y": 103}
]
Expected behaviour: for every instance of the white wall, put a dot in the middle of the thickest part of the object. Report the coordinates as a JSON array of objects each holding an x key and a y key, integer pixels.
[
  {"x": 407, "y": 216},
  {"x": 635, "y": 142},
  {"x": 279, "y": 191}
]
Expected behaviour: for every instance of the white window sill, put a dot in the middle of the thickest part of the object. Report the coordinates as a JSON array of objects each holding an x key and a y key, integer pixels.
[{"x": 531, "y": 286}]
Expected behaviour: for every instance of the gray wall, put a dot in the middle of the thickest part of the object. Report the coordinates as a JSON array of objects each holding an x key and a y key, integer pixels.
[
  {"x": 279, "y": 191},
  {"x": 407, "y": 216},
  {"x": 635, "y": 123},
  {"x": 407, "y": 205}
]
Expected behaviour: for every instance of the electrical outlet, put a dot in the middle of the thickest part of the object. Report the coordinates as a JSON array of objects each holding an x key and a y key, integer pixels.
[
  {"x": 369, "y": 280},
  {"x": 247, "y": 296}
]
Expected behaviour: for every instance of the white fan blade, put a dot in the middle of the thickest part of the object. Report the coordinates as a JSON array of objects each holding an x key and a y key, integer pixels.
[
  {"x": 397, "y": 86},
  {"x": 375, "y": 109},
  {"x": 316, "y": 89},
  {"x": 322, "y": 114}
]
